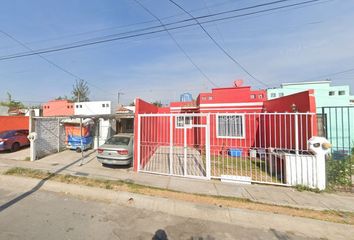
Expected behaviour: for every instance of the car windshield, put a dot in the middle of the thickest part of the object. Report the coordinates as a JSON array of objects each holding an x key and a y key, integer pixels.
[
  {"x": 118, "y": 140},
  {"x": 6, "y": 134}
]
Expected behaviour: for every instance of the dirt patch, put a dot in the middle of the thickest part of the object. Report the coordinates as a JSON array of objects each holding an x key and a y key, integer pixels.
[{"x": 126, "y": 186}]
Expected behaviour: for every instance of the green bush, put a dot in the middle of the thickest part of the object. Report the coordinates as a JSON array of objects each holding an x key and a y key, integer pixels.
[{"x": 339, "y": 172}]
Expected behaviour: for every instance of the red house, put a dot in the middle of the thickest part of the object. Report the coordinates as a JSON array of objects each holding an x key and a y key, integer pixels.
[{"x": 222, "y": 133}]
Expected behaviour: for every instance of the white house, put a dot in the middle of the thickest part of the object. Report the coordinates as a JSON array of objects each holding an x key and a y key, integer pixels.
[
  {"x": 104, "y": 128},
  {"x": 93, "y": 108}
]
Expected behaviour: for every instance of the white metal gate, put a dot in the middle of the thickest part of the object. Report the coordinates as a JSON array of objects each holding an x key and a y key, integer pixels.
[
  {"x": 250, "y": 147},
  {"x": 174, "y": 144}
]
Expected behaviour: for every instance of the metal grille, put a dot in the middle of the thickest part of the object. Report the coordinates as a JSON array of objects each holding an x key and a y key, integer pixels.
[
  {"x": 253, "y": 147},
  {"x": 337, "y": 126}
]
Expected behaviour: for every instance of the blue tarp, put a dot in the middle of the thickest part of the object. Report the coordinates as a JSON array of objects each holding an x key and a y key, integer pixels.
[{"x": 75, "y": 142}]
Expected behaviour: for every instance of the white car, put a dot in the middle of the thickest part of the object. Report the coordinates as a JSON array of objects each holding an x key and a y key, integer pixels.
[{"x": 117, "y": 150}]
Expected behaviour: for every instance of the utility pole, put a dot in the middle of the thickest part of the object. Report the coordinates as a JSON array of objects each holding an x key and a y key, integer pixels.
[{"x": 119, "y": 94}]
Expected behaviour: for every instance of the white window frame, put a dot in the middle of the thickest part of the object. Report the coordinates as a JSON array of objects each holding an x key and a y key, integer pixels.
[
  {"x": 231, "y": 114},
  {"x": 185, "y": 124}
]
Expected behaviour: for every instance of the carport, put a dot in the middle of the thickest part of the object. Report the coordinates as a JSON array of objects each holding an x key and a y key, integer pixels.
[{"x": 50, "y": 137}]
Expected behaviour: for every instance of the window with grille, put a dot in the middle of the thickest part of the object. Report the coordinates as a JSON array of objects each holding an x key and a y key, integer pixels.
[
  {"x": 230, "y": 126},
  {"x": 183, "y": 121}
]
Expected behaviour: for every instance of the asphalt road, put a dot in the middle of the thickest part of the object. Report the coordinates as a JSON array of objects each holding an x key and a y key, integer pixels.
[{"x": 47, "y": 215}]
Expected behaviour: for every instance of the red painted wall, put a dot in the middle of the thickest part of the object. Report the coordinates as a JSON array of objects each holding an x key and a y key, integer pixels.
[
  {"x": 13, "y": 122},
  {"x": 307, "y": 124},
  {"x": 304, "y": 101},
  {"x": 58, "y": 108},
  {"x": 233, "y": 95}
]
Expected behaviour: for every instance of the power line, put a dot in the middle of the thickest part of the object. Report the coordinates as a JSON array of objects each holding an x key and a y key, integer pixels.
[
  {"x": 177, "y": 44},
  {"x": 39, "y": 55},
  {"x": 46, "y": 59},
  {"x": 121, "y": 26},
  {"x": 111, "y": 38},
  {"x": 219, "y": 46}
]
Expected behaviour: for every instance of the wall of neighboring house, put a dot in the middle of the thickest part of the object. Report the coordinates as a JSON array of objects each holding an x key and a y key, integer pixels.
[
  {"x": 51, "y": 136},
  {"x": 13, "y": 122},
  {"x": 333, "y": 106},
  {"x": 93, "y": 108},
  {"x": 325, "y": 94},
  {"x": 104, "y": 129},
  {"x": 58, "y": 108}
]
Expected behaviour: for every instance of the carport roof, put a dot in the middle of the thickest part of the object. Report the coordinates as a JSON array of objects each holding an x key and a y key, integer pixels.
[{"x": 95, "y": 116}]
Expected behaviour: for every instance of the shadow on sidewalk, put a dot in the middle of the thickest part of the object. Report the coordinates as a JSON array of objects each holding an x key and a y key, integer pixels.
[{"x": 40, "y": 184}]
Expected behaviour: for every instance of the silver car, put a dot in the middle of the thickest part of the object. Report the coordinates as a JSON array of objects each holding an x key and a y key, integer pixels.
[{"x": 118, "y": 150}]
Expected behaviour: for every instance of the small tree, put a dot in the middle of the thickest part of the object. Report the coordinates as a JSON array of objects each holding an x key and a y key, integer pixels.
[
  {"x": 157, "y": 103},
  {"x": 80, "y": 91},
  {"x": 12, "y": 103},
  {"x": 62, "y": 98}
]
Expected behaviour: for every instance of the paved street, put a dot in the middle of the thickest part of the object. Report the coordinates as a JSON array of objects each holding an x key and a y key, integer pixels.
[
  {"x": 46, "y": 215},
  {"x": 69, "y": 162}
]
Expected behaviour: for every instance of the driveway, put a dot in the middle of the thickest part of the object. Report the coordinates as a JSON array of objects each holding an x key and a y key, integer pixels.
[
  {"x": 22, "y": 154},
  {"x": 159, "y": 162},
  {"x": 71, "y": 162}
]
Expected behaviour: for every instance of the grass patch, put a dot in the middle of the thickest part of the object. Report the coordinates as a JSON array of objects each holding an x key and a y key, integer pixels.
[
  {"x": 302, "y": 188},
  {"x": 220, "y": 201},
  {"x": 255, "y": 168}
]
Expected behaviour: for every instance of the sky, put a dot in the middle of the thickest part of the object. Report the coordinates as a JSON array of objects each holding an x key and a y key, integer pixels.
[{"x": 297, "y": 44}]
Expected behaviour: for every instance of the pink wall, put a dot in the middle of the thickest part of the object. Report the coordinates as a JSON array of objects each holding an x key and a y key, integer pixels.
[
  {"x": 58, "y": 108},
  {"x": 13, "y": 123}
]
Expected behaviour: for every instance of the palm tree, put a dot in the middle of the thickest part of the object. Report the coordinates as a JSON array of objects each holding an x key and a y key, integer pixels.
[{"x": 80, "y": 91}]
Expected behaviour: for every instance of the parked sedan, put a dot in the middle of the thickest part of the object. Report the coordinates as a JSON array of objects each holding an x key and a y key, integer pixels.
[
  {"x": 118, "y": 150},
  {"x": 13, "y": 140}
]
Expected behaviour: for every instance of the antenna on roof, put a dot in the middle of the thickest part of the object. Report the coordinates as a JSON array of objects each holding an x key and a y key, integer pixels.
[{"x": 238, "y": 83}]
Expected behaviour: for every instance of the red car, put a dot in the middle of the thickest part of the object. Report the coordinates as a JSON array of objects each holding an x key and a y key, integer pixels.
[{"x": 13, "y": 140}]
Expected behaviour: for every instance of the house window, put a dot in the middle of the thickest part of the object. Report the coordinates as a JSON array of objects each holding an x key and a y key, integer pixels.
[
  {"x": 210, "y": 98},
  {"x": 273, "y": 95},
  {"x": 341, "y": 92},
  {"x": 281, "y": 94},
  {"x": 103, "y": 105},
  {"x": 331, "y": 93},
  {"x": 107, "y": 105},
  {"x": 230, "y": 125},
  {"x": 260, "y": 96},
  {"x": 253, "y": 96},
  {"x": 204, "y": 98},
  {"x": 184, "y": 121}
]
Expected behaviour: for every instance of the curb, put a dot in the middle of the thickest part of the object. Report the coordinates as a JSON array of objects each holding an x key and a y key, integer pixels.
[{"x": 241, "y": 217}]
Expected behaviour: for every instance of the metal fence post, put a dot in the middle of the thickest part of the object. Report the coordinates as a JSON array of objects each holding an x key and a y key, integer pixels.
[
  {"x": 207, "y": 148},
  {"x": 138, "y": 145},
  {"x": 185, "y": 150},
  {"x": 296, "y": 123},
  {"x": 58, "y": 135},
  {"x": 171, "y": 145}
]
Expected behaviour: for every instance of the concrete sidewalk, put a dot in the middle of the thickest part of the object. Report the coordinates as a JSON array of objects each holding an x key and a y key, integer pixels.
[{"x": 68, "y": 162}]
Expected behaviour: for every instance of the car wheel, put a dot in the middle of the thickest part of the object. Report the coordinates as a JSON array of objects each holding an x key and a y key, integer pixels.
[
  {"x": 15, "y": 147},
  {"x": 78, "y": 150}
]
